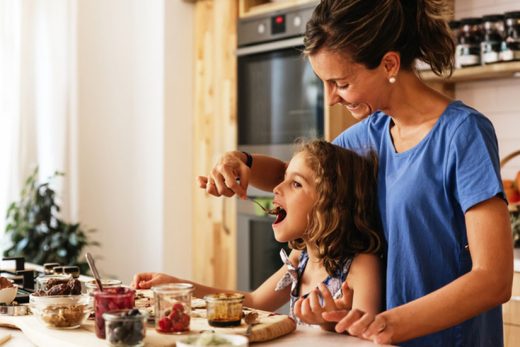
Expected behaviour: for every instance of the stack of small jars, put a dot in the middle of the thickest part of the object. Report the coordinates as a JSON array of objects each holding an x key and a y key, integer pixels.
[{"x": 487, "y": 40}]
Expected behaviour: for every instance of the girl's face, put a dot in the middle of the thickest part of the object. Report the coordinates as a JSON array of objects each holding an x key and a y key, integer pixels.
[
  {"x": 360, "y": 90},
  {"x": 295, "y": 196}
]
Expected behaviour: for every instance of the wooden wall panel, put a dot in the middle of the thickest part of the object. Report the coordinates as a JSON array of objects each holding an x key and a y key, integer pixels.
[{"x": 214, "y": 231}]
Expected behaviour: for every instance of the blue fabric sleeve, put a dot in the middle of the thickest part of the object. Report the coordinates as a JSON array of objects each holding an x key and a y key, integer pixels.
[{"x": 474, "y": 162}]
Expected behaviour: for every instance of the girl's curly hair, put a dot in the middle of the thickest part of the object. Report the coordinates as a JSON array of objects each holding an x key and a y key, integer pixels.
[{"x": 345, "y": 219}]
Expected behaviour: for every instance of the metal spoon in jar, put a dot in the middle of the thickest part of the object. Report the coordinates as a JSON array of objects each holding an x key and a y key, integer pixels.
[{"x": 92, "y": 266}]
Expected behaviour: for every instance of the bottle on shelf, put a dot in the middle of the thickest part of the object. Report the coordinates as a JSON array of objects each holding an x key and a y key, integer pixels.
[{"x": 511, "y": 44}]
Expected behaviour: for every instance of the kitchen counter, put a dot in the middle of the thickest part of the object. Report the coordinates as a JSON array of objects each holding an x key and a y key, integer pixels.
[{"x": 304, "y": 336}]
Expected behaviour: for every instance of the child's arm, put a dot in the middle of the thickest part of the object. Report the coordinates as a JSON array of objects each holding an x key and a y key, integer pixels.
[
  {"x": 263, "y": 298},
  {"x": 365, "y": 280}
]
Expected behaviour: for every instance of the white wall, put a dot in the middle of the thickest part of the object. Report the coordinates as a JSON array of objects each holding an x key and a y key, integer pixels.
[
  {"x": 132, "y": 179},
  {"x": 498, "y": 99}
]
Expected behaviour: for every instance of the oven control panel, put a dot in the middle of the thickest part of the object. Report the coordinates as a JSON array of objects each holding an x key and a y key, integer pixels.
[{"x": 274, "y": 26}]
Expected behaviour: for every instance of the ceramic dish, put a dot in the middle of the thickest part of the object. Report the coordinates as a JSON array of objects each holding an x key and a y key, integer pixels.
[
  {"x": 7, "y": 295},
  {"x": 209, "y": 339}
]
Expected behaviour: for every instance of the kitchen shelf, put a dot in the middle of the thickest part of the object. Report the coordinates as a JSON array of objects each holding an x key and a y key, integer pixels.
[{"x": 476, "y": 73}]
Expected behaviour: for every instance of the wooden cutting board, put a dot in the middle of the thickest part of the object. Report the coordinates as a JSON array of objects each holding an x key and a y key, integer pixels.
[{"x": 270, "y": 327}]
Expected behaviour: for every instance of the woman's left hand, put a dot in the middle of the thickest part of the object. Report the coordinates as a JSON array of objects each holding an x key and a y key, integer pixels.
[
  {"x": 377, "y": 328},
  {"x": 309, "y": 310}
]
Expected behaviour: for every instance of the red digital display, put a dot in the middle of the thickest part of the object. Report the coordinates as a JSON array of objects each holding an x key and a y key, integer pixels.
[{"x": 279, "y": 20}]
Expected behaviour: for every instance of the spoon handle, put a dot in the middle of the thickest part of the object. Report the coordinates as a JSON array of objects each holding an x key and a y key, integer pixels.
[{"x": 92, "y": 265}]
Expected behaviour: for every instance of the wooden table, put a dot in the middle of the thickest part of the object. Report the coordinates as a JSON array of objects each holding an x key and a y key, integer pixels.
[{"x": 304, "y": 336}]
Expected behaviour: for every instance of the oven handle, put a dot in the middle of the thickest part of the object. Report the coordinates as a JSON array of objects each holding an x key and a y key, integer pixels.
[{"x": 270, "y": 46}]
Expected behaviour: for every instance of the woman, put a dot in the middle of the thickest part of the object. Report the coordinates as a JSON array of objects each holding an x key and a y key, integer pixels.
[{"x": 444, "y": 214}]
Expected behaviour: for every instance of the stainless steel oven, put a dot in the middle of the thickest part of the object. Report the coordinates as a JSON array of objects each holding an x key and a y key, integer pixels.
[{"x": 279, "y": 99}]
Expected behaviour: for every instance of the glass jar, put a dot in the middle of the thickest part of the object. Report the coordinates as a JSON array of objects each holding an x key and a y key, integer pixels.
[
  {"x": 125, "y": 327},
  {"x": 468, "y": 46},
  {"x": 511, "y": 44},
  {"x": 48, "y": 268},
  {"x": 111, "y": 299},
  {"x": 493, "y": 33},
  {"x": 91, "y": 286},
  {"x": 71, "y": 270},
  {"x": 172, "y": 307},
  {"x": 47, "y": 281},
  {"x": 58, "y": 270},
  {"x": 455, "y": 26},
  {"x": 225, "y": 309}
]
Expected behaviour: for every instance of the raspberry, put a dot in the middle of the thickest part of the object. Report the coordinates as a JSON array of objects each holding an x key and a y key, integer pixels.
[
  {"x": 165, "y": 324},
  {"x": 178, "y": 307}
]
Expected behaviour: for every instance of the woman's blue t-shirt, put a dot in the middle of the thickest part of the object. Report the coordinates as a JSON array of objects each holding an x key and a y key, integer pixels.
[{"x": 423, "y": 195}]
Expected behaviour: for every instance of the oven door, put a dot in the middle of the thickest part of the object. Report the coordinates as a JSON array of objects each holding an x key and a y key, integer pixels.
[{"x": 279, "y": 96}]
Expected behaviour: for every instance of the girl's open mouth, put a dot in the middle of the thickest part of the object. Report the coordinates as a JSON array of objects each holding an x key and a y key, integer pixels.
[{"x": 280, "y": 215}]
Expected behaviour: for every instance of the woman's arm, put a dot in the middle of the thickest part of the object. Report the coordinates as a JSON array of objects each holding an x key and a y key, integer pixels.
[
  {"x": 265, "y": 173},
  {"x": 487, "y": 285},
  {"x": 362, "y": 291}
]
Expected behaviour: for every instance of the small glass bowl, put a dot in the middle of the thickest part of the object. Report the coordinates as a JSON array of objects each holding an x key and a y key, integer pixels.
[
  {"x": 125, "y": 328},
  {"x": 224, "y": 309},
  {"x": 60, "y": 311}
]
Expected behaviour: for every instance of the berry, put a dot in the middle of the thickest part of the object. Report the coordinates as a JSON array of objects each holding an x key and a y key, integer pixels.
[{"x": 165, "y": 324}]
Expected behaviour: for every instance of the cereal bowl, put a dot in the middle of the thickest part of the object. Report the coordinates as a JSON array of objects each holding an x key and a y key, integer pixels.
[{"x": 60, "y": 311}]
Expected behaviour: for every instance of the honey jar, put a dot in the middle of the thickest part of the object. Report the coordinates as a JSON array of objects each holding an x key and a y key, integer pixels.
[{"x": 224, "y": 309}]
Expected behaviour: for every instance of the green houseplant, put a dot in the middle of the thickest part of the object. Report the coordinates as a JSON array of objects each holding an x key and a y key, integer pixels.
[{"x": 35, "y": 231}]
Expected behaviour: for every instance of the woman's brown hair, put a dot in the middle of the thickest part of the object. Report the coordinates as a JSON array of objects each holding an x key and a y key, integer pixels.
[
  {"x": 345, "y": 219},
  {"x": 368, "y": 29}
]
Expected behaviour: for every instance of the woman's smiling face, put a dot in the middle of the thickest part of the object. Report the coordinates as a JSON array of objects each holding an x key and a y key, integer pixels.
[
  {"x": 296, "y": 195},
  {"x": 360, "y": 90}
]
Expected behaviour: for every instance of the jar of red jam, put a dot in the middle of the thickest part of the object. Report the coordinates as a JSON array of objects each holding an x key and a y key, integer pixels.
[
  {"x": 109, "y": 300},
  {"x": 173, "y": 307}
]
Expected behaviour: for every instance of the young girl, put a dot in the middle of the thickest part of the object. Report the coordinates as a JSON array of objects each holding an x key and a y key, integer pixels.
[{"x": 326, "y": 210}]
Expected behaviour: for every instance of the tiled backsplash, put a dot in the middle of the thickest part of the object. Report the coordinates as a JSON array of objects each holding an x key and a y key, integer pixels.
[{"x": 498, "y": 99}]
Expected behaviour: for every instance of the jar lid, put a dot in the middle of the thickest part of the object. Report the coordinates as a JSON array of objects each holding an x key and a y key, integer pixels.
[
  {"x": 454, "y": 24},
  {"x": 71, "y": 270},
  {"x": 105, "y": 282},
  {"x": 224, "y": 297},
  {"x": 512, "y": 14},
  {"x": 58, "y": 270},
  {"x": 173, "y": 288},
  {"x": 493, "y": 17},
  {"x": 471, "y": 21},
  {"x": 50, "y": 266}
]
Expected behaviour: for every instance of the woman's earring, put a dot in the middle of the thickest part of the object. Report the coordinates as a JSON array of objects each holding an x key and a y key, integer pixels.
[{"x": 392, "y": 80}]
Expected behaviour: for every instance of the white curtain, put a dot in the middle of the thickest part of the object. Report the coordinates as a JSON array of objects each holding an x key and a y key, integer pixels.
[{"x": 37, "y": 97}]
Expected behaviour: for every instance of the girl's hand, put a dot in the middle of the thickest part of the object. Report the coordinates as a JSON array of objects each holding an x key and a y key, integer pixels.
[
  {"x": 310, "y": 311},
  {"x": 229, "y": 177},
  {"x": 377, "y": 328},
  {"x": 146, "y": 280}
]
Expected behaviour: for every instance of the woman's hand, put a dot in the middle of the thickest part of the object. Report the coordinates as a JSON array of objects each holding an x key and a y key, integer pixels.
[
  {"x": 310, "y": 311},
  {"x": 229, "y": 177},
  {"x": 146, "y": 280},
  {"x": 377, "y": 328}
]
